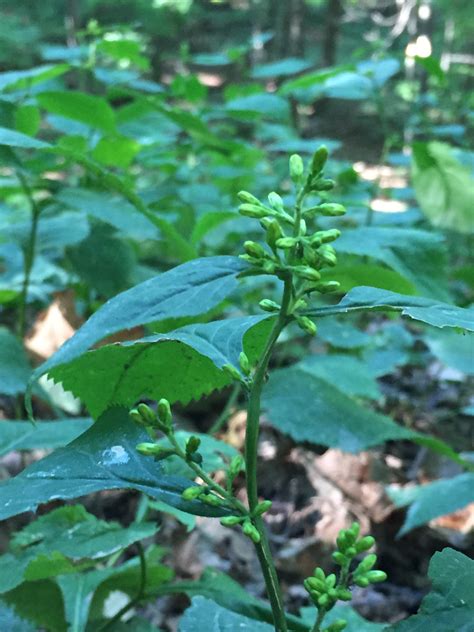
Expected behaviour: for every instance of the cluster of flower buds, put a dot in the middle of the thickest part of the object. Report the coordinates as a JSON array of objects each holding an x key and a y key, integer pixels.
[
  {"x": 161, "y": 419},
  {"x": 325, "y": 591},
  {"x": 244, "y": 375},
  {"x": 245, "y": 521},
  {"x": 292, "y": 250},
  {"x": 204, "y": 494}
]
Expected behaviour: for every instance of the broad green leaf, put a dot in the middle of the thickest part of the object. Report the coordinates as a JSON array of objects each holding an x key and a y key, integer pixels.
[
  {"x": 187, "y": 519},
  {"x": 444, "y": 187},
  {"x": 27, "y": 119},
  {"x": 207, "y": 615},
  {"x": 265, "y": 104},
  {"x": 348, "y": 374},
  {"x": 64, "y": 541},
  {"x": 23, "y": 435},
  {"x": 53, "y": 232},
  {"x": 188, "y": 290},
  {"x": 15, "y": 370},
  {"x": 352, "y": 274},
  {"x": 379, "y": 71},
  {"x": 10, "y": 621},
  {"x": 229, "y": 594},
  {"x": 25, "y": 79},
  {"x": 281, "y": 68},
  {"x": 454, "y": 349},
  {"x": 104, "y": 457},
  {"x": 449, "y": 607},
  {"x": 116, "y": 151},
  {"x": 423, "y": 309},
  {"x": 207, "y": 222},
  {"x": 434, "y": 499},
  {"x": 348, "y": 85},
  {"x": 415, "y": 254},
  {"x": 355, "y": 623},
  {"x": 307, "y": 408},
  {"x": 77, "y": 591},
  {"x": 304, "y": 145},
  {"x": 111, "y": 209},
  {"x": 194, "y": 126},
  {"x": 181, "y": 365},
  {"x": 342, "y": 335},
  {"x": 310, "y": 80},
  {"x": 46, "y": 609},
  {"x": 92, "y": 110},
  {"x": 11, "y": 138}
]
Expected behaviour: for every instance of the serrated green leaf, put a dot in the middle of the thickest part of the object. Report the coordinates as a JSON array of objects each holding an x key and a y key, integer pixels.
[
  {"x": 342, "y": 335},
  {"x": 449, "y": 607},
  {"x": 46, "y": 610},
  {"x": 444, "y": 187},
  {"x": 10, "y": 621},
  {"x": 345, "y": 372},
  {"x": 423, "y": 309},
  {"x": 434, "y": 499},
  {"x": 415, "y": 254},
  {"x": 15, "y": 370},
  {"x": 23, "y": 435},
  {"x": 181, "y": 365},
  {"x": 187, "y": 290},
  {"x": 11, "y": 138},
  {"x": 207, "y": 615},
  {"x": 92, "y": 110},
  {"x": 104, "y": 457},
  {"x": 309, "y": 409}
]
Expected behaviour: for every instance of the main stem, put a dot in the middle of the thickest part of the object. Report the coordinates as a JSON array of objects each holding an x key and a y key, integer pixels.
[{"x": 251, "y": 452}]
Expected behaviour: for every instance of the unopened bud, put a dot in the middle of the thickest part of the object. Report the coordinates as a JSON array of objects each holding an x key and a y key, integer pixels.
[
  {"x": 286, "y": 242},
  {"x": 367, "y": 563},
  {"x": 191, "y": 493},
  {"x": 323, "y": 600},
  {"x": 230, "y": 521},
  {"x": 274, "y": 232},
  {"x": 211, "y": 499},
  {"x": 254, "y": 250},
  {"x": 339, "y": 558},
  {"x": 296, "y": 168},
  {"x": 325, "y": 236},
  {"x": 344, "y": 594},
  {"x": 362, "y": 582},
  {"x": 262, "y": 507},
  {"x": 251, "y": 532},
  {"x": 232, "y": 372},
  {"x": 323, "y": 184},
  {"x": 331, "y": 580},
  {"x": 157, "y": 451},
  {"x": 164, "y": 412},
  {"x": 364, "y": 544},
  {"x": 254, "y": 211},
  {"x": 192, "y": 444},
  {"x": 313, "y": 583},
  {"x": 319, "y": 160},
  {"x": 275, "y": 201},
  {"x": 244, "y": 363},
  {"x": 236, "y": 466},
  {"x": 375, "y": 577},
  {"x": 248, "y": 198},
  {"x": 269, "y": 306},
  {"x": 307, "y": 325},
  {"x": 147, "y": 414},
  {"x": 337, "y": 626},
  {"x": 325, "y": 287},
  {"x": 330, "y": 209},
  {"x": 305, "y": 272}
]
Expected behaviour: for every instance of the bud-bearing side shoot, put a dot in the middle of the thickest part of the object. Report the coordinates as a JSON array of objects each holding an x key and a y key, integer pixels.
[{"x": 356, "y": 569}]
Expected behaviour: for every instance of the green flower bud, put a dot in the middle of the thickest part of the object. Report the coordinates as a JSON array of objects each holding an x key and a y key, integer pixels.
[
  {"x": 244, "y": 363},
  {"x": 147, "y": 414},
  {"x": 251, "y": 532},
  {"x": 363, "y": 582},
  {"x": 191, "y": 493},
  {"x": 367, "y": 563},
  {"x": 339, "y": 558},
  {"x": 275, "y": 201},
  {"x": 341, "y": 540},
  {"x": 300, "y": 304},
  {"x": 374, "y": 577},
  {"x": 323, "y": 600},
  {"x": 269, "y": 267},
  {"x": 231, "y": 521},
  {"x": 332, "y": 593},
  {"x": 135, "y": 416},
  {"x": 303, "y": 227},
  {"x": 164, "y": 412},
  {"x": 211, "y": 499},
  {"x": 274, "y": 232},
  {"x": 232, "y": 372},
  {"x": 325, "y": 236},
  {"x": 344, "y": 594},
  {"x": 315, "y": 584},
  {"x": 246, "y": 197},
  {"x": 192, "y": 444},
  {"x": 337, "y": 626},
  {"x": 153, "y": 449},
  {"x": 254, "y": 211},
  {"x": 269, "y": 306},
  {"x": 286, "y": 242},
  {"x": 323, "y": 184},
  {"x": 307, "y": 325},
  {"x": 307, "y": 273},
  {"x": 325, "y": 287},
  {"x": 319, "y": 160},
  {"x": 319, "y": 573},
  {"x": 262, "y": 507},
  {"x": 254, "y": 250},
  {"x": 331, "y": 209},
  {"x": 296, "y": 168},
  {"x": 328, "y": 255},
  {"x": 351, "y": 551},
  {"x": 331, "y": 580},
  {"x": 364, "y": 544}
]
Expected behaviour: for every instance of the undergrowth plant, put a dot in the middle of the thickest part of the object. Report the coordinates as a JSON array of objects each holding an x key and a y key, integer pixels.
[{"x": 119, "y": 381}]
